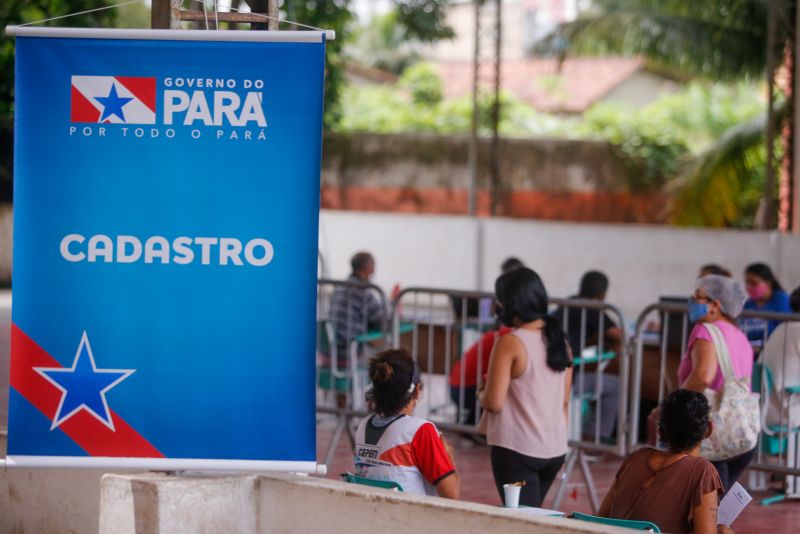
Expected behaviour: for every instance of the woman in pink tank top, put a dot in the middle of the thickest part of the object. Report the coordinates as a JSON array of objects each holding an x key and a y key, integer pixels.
[
  {"x": 717, "y": 300},
  {"x": 526, "y": 396}
]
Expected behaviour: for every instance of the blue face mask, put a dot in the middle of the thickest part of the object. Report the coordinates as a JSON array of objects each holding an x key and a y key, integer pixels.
[{"x": 697, "y": 310}]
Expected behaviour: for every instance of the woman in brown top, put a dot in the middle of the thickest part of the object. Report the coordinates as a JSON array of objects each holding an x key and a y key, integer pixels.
[{"x": 676, "y": 489}]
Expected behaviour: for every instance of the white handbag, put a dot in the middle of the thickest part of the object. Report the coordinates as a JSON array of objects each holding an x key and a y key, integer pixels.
[{"x": 734, "y": 411}]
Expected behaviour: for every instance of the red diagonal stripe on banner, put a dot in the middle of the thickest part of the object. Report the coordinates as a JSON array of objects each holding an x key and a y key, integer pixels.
[
  {"x": 142, "y": 88},
  {"x": 81, "y": 110},
  {"x": 89, "y": 433}
]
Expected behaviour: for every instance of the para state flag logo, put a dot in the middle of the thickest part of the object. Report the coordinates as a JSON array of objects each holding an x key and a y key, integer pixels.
[{"x": 113, "y": 99}]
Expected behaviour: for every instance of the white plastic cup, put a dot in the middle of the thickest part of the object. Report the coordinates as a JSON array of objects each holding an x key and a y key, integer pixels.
[{"x": 512, "y": 495}]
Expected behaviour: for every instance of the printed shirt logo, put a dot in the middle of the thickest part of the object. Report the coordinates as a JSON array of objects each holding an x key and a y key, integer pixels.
[
  {"x": 113, "y": 99},
  {"x": 367, "y": 455}
]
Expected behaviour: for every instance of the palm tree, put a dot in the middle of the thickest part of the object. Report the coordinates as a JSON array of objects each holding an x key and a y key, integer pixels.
[{"x": 712, "y": 39}]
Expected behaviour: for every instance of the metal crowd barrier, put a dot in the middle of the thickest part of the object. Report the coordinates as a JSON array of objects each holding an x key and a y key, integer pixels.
[
  {"x": 656, "y": 356},
  {"x": 346, "y": 337},
  {"x": 437, "y": 326}
]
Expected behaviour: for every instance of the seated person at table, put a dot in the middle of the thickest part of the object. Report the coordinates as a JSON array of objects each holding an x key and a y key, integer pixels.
[
  {"x": 715, "y": 305},
  {"x": 394, "y": 445},
  {"x": 782, "y": 357},
  {"x": 766, "y": 294},
  {"x": 676, "y": 489},
  {"x": 481, "y": 350},
  {"x": 468, "y": 364},
  {"x": 713, "y": 268},
  {"x": 473, "y": 310},
  {"x": 594, "y": 286},
  {"x": 354, "y": 310}
]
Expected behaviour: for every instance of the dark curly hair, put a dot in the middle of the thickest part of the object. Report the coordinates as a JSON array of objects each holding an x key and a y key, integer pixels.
[
  {"x": 394, "y": 377},
  {"x": 684, "y": 420}
]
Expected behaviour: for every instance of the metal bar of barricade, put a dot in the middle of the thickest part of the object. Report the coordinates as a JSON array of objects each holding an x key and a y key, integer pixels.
[
  {"x": 343, "y": 383},
  {"x": 456, "y": 317},
  {"x": 579, "y": 448},
  {"x": 786, "y": 431}
]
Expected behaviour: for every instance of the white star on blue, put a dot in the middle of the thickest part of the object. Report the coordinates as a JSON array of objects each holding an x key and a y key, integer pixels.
[
  {"x": 112, "y": 104},
  {"x": 83, "y": 386}
]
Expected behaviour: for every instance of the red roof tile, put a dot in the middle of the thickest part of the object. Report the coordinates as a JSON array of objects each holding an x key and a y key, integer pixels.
[{"x": 580, "y": 83}]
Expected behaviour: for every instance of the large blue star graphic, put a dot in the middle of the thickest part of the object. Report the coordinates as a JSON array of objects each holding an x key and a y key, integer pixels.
[
  {"x": 83, "y": 386},
  {"x": 112, "y": 104}
]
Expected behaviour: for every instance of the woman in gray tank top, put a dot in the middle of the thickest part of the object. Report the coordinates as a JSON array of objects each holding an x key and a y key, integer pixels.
[{"x": 526, "y": 396}]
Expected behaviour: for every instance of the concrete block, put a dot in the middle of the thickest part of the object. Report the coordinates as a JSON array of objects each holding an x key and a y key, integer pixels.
[
  {"x": 49, "y": 500},
  {"x": 158, "y": 504}
]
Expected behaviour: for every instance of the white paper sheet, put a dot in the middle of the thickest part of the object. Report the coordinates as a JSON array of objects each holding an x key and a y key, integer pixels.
[{"x": 732, "y": 505}]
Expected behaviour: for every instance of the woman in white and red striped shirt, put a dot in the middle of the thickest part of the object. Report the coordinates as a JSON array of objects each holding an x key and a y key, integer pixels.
[{"x": 394, "y": 445}]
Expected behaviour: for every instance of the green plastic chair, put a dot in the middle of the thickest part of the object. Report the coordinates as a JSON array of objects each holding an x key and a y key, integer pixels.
[
  {"x": 622, "y": 523},
  {"x": 338, "y": 380},
  {"x": 774, "y": 438},
  {"x": 771, "y": 441},
  {"x": 383, "y": 484}
]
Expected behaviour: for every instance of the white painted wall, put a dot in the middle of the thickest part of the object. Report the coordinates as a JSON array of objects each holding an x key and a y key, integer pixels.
[
  {"x": 408, "y": 249},
  {"x": 643, "y": 262}
]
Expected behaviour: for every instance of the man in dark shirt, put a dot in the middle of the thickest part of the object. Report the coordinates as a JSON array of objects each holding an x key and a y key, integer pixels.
[{"x": 583, "y": 330}]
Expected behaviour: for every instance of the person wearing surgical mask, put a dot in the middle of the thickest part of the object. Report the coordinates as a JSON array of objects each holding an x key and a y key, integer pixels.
[
  {"x": 717, "y": 300},
  {"x": 766, "y": 294}
]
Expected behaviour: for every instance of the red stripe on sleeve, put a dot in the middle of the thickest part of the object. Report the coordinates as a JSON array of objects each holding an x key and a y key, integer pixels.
[{"x": 430, "y": 456}]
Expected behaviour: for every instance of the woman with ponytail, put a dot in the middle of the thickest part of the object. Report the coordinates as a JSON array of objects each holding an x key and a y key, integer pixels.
[
  {"x": 394, "y": 445},
  {"x": 526, "y": 396}
]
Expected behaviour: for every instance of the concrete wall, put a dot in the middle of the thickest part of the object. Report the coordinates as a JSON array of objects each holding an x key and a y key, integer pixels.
[
  {"x": 86, "y": 501},
  {"x": 558, "y": 179},
  {"x": 147, "y": 504},
  {"x": 47, "y": 500}
]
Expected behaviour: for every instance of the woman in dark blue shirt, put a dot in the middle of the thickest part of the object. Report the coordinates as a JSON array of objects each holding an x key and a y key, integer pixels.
[{"x": 766, "y": 294}]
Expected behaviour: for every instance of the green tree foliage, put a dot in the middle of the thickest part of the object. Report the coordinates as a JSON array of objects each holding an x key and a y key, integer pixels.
[
  {"x": 661, "y": 138},
  {"x": 423, "y": 84},
  {"x": 726, "y": 179},
  {"x": 334, "y": 15},
  {"x": 381, "y": 44},
  {"x": 716, "y": 39},
  {"x": 391, "y": 41},
  {"x": 660, "y": 141},
  {"x": 411, "y": 20},
  {"x": 132, "y": 16},
  {"x": 13, "y": 12},
  {"x": 423, "y": 20},
  {"x": 385, "y": 109},
  {"x": 712, "y": 39}
]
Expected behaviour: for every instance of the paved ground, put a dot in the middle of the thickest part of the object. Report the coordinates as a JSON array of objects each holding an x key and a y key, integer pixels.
[{"x": 477, "y": 485}]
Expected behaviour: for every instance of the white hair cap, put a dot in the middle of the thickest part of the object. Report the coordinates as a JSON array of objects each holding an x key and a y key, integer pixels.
[{"x": 727, "y": 291}]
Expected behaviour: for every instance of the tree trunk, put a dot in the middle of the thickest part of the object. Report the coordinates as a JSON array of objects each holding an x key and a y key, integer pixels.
[
  {"x": 765, "y": 218},
  {"x": 785, "y": 181}
]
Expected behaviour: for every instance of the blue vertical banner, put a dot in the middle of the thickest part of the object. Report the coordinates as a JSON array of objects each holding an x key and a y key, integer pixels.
[{"x": 166, "y": 210}]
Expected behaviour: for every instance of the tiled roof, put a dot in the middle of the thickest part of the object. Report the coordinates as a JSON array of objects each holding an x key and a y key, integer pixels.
[{"x": 580, "y": 83}]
